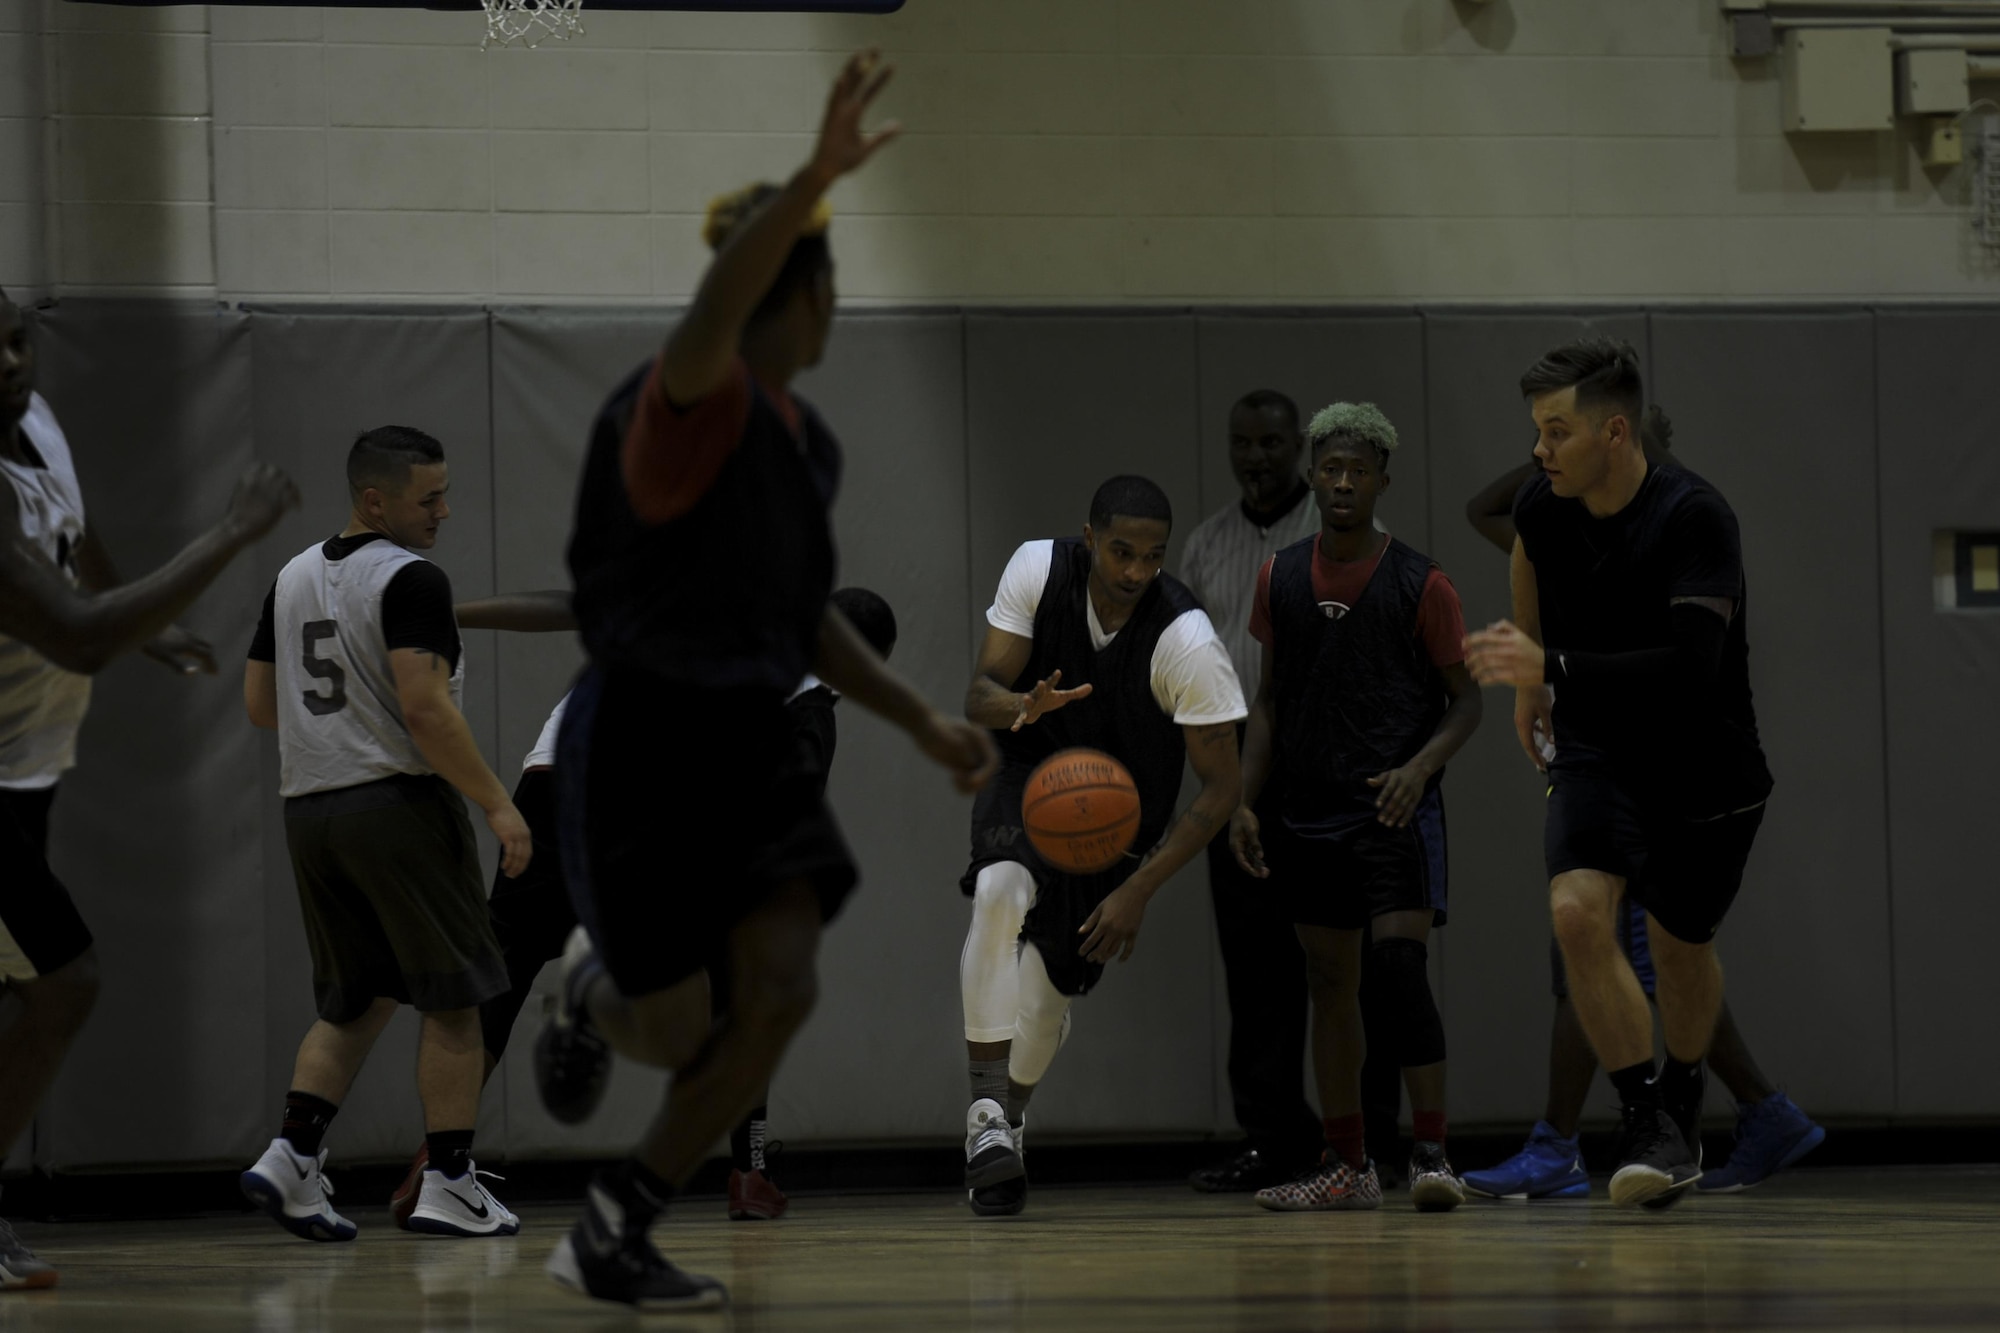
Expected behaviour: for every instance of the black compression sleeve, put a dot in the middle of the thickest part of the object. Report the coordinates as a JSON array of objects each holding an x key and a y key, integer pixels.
[
  {"x": 264, "y": 643},
  {"x": 416, "y": 611},
  {"x": 1693, "y": 658}
]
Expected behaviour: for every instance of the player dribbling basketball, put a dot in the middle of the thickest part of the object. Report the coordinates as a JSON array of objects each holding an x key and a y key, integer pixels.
[{"x": 1089, "y": 643}]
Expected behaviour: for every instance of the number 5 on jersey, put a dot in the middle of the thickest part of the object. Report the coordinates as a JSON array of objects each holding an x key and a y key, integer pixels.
[{"x": 320, "y": 668}]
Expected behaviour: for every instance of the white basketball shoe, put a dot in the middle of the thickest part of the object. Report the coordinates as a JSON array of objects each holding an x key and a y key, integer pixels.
[
  {"x": 294, "y": 1192},
  {"x": 461, "y": 1207}
]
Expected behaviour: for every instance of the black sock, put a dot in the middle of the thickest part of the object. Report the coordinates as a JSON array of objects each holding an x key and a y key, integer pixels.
[
  {"x": 746, "y": 1141},
  {"x": 306, "y": 1119},
  {"x": 1636, "y": 1085},
  {"x": 1680, "y": 1083},
  {"x": 638, "y": 1191},
  {"x": 451, "y": 1151}
]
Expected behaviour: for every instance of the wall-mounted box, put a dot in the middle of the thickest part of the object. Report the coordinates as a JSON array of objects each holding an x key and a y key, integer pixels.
[
  {"x": 1837, "y": 79},
  {"x": 1931, "y": 83}
]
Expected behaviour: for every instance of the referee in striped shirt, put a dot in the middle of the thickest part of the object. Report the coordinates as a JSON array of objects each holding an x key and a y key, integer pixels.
[{"x": 1262, "y": 963}]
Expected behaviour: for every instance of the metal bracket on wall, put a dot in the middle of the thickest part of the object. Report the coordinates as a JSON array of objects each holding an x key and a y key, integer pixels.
[{"x": 1965, "y": 570}]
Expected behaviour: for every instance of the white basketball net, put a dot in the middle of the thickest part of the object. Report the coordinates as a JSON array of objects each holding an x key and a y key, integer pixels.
[{"x": 530, "y": 22}]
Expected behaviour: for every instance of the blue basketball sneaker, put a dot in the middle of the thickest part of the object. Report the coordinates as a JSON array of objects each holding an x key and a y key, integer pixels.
[
  {"x": 1770, "y": 1136},
  {"x": 1548, "y": 1167}
]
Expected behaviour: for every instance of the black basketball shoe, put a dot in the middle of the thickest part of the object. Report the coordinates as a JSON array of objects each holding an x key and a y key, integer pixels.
[
  {"x": 572, "y": 1059},
  {"x": 1655, "y": 1168},
  {"x": 608, "y": 1257},
  {"x": 1247, "y": 1172},
  {"x": 1682, "y": 1101},
  {"x": 1002, "y": 1200}
]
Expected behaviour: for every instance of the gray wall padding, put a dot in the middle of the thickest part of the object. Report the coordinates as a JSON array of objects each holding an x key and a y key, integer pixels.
[
  {"x": 1937, "y": 469},
  {"x": 1778, "y": 411},
  {"x": 156, "y": 830},
  {"x": 967, "y": 434}
]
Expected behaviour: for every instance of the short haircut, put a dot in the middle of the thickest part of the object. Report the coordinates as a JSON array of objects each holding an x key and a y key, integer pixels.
[
  {"x": 870, "y": 615},
  {"x": 1129, "y": 497},
  {"x": 1604, "y": 371},
  {"x": 383, "y": 457},
  {"x": 810, "y": 255},
  {"x": 1355, "y": 423},
  {"x": 1261, "y": 400}
]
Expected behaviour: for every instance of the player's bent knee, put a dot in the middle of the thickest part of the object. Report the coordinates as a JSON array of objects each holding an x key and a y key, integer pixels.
[
  {"x": 1002, "y": 894},
  {"x": 1582, "y": 921},
  {"x": 1415, "y": 1029}
]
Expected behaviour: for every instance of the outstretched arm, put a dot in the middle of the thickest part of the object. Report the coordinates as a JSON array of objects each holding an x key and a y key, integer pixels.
[
  {"x": 845, "y": 661},
  {"x": 83, "y": 631},
  {"x": 175, "y": 646},
  {"x": 519, "y": 612},
  {"x": 703, "y": 346},
  {"x": 1113, "y": 929},
  {"x": 991, "y": 700},
  {"x": 1491, "y": 512}
]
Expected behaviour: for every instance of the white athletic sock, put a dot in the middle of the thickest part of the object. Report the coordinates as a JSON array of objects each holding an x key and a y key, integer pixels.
[
  {"x": 1001, "y": 897},
  {"x": 1038, "y": 1021}
]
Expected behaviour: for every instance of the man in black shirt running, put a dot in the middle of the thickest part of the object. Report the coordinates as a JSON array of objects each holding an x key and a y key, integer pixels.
[{"x": 1629, "y": 596}]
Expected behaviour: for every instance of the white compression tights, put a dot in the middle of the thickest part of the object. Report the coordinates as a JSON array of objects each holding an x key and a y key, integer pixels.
[
  {"x": 1038, "y": 1024},
  {"x": 988, "y": 971}
]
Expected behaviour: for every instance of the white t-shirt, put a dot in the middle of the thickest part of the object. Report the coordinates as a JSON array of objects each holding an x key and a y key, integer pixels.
[
  {"x": 1192, "y": 678},
  {"x": 544, "y": 753},
  {"x": 41, "y": 705}
]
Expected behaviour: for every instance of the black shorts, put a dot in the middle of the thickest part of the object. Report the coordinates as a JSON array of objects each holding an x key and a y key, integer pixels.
[
  {"x": 1685, "y": 872},
  {"x": 394, "y": 903},
  {"x": 681, "y": 811},
  {"x": 40, "y": 928},
  {"x": 1345, "y": 880},
  {"x": 1063, "y": 901},
  {"x": 531, "y": 913}
]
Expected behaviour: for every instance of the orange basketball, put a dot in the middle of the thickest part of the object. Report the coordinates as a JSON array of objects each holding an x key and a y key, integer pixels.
[{"x": 1081, "y": 810}]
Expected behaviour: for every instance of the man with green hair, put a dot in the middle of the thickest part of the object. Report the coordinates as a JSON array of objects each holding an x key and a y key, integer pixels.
[{"x": 1362, "y": 698}]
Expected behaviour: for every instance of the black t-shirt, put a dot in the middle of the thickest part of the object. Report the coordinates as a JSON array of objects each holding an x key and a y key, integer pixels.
[
  {"x": 1607, "y": 585},
  {"x": 416, "y": 607}
]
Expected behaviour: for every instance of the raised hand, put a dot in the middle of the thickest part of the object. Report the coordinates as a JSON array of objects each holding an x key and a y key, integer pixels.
[
  {"x": 1046, "y": 698},
  {"x": 843, "y": 146},
  {"x": 185, "y": 652},
  {"x": 263, "y": 494}
]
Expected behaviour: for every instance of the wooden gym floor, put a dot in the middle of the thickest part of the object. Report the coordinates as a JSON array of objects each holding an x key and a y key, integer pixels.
[{"x": 1915, "y": 1248}]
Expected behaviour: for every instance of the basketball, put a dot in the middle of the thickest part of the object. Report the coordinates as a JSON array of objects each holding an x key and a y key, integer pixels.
[{"x": 1081, "y": 810}]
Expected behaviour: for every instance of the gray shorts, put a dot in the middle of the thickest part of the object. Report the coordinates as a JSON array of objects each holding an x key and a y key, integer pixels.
[{"x": 394, "y": 903}]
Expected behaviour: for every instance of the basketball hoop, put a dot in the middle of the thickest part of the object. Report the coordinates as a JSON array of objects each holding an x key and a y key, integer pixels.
[{"x": 530, "y": 22}]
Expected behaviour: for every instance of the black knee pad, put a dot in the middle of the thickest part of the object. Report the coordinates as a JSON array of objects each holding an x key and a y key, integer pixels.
[{"x": 1407, "y": 1011}]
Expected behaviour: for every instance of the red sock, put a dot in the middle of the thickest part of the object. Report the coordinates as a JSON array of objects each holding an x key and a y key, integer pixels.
[
  {"x": 1344, "y": 1139},
  {"x": 1428, "y": 1126}
]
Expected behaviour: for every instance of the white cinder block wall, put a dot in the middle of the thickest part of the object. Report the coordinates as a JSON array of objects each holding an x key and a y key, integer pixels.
[{"x": 1058, "y": 150}]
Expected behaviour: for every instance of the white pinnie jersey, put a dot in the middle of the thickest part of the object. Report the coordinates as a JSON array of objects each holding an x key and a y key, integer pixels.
[
  {"x": 544, "y": 753},
  {"x": 339, "y": 721},
  {"x": 42, "y": 705}
]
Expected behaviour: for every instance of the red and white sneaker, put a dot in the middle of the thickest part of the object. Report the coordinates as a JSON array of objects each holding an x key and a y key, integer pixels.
[
  {"x": 755, "y": 1197},
  {"x": 404, "y": 1201},
  {"x": 1330, "y": 1185}
]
